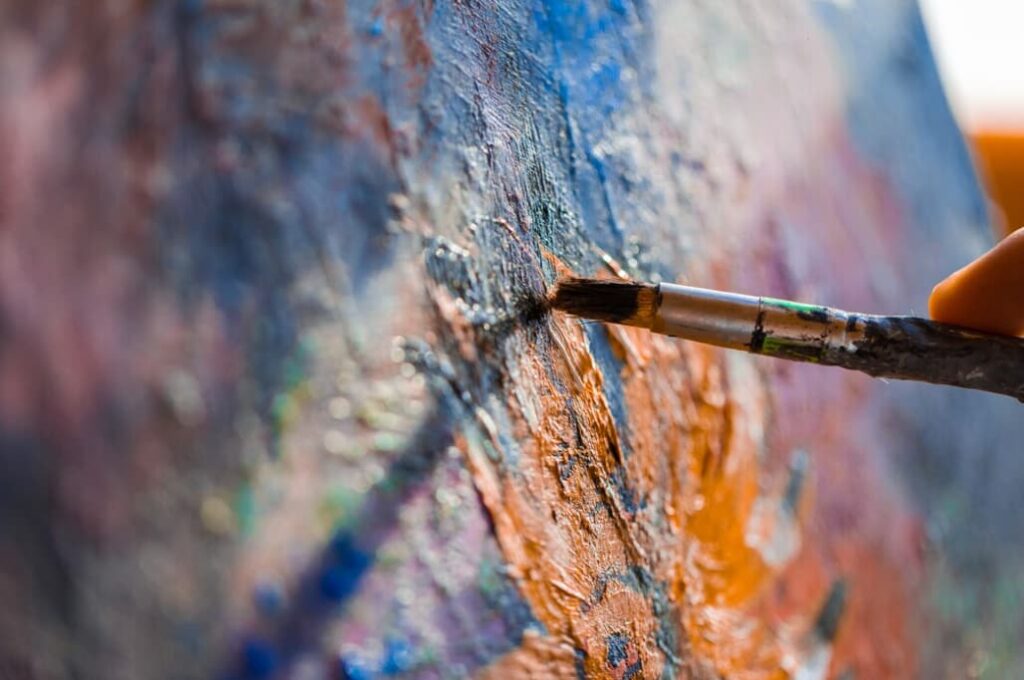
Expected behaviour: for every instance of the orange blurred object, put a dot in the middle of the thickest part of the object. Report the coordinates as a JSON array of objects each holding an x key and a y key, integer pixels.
[{"x": 1000, "y": 155}]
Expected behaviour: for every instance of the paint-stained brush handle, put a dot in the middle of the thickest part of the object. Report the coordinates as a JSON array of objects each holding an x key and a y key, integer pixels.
[
  {"x": 897, "y": 347},
  {"x": 910, "y": 348}
]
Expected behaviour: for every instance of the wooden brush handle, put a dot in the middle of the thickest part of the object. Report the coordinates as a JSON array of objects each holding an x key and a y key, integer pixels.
[
  {"x": 911, "y": 348},
  {"x": 898, "y": 347}
]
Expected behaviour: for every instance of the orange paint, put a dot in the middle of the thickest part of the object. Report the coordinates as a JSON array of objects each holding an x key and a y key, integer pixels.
[
  {"x": 681, "y": 419},
  {"x": 987, "y": 294},
  {"x": 571, "y": 541}
]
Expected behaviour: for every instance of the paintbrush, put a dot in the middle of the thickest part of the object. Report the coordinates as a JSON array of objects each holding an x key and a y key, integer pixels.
[{"x": 898, "y": 347}]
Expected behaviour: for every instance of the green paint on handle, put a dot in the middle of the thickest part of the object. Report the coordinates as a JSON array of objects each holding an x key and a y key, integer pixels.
[
  {"x": 798, "y": 307},
  {"x": 791, "y": 349}
]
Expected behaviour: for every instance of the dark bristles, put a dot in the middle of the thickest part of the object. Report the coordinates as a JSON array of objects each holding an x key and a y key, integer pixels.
[{"x": 603, "y": 299}]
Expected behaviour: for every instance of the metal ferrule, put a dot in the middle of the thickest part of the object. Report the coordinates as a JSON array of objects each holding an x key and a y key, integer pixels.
[
  {"x": 754, "y": 324},
  {"x": 711, "y": 316}
]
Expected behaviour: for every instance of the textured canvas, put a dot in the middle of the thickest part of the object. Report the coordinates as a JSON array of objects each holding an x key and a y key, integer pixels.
[{"x": 275, "y": 401}]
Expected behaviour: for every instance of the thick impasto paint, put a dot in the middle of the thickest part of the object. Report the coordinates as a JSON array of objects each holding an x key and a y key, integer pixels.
[{"x": 276, "y": 400}]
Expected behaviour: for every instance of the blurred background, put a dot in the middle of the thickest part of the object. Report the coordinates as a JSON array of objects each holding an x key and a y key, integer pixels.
[{"x": 980, "y": 53}]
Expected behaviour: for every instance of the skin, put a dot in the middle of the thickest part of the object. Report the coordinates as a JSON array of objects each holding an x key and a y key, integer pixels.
[{"x": 987, "y": 294}]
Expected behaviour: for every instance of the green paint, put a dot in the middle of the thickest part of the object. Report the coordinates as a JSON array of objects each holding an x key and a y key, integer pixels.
[
  {"x": 286, "y": 405},
  {"x": 338, "y": 505},
  {"x": 798, "y": 307},
  {"x": 296, "y": 366},
  {"x": 284, "y": 411},
  {"x": 428, "y": 655},
  {"x": 388, "y": 442},
  {"x": 488, "y": 577},
  {"x": 788, "y": 348},
  {"x": 245, "y": 510}
]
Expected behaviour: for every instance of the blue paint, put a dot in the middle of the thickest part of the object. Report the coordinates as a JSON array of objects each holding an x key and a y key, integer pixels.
[
  {"x": 606, "y": 78},
  {"x": 626, "y": 494},
  {"x": 398, "y": 657},
  {"x": 269, "y": 599},
  {"x": 633, "y": 670},
  {"x": 580, "y": 663},
  {"x": 633, "y": 579},
  {"x": 350, "y": 667},
  {"x": 558, "y": 78},
  {"x": 259, "y": 659},
  {"x": 617, "y": 645},
  {"x": 343, "y": 568},
  {"x": 504, "y": 599},
  {"x": 613, "y": 388},
  {"x": 592, "y": 44}
]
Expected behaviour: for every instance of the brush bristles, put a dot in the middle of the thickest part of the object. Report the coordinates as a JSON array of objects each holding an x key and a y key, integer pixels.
[{"x": 625, "y": 302}]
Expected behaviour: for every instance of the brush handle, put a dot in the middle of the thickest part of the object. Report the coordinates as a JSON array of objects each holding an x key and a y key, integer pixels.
[
  {"x": 898, "y": 347},
  {"x": 911, "y": 348}
]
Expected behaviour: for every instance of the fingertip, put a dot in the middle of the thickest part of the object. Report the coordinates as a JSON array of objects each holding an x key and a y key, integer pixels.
[
  {"x": 987, "y": 294},
  {"x": 943, "y": 302},
  {"x": 936, "y": 301}
]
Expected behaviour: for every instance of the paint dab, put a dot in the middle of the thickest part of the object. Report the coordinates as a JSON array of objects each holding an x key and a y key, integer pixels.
[
  {"x": 397, "y": 657},
  {"x": 827, "y": 624},
  {"x": 269, "y": 599},
  {"x": 259, "y": 659},
  {"x": 217, "y": 516},
  {"x": 352, "y": 668}
]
